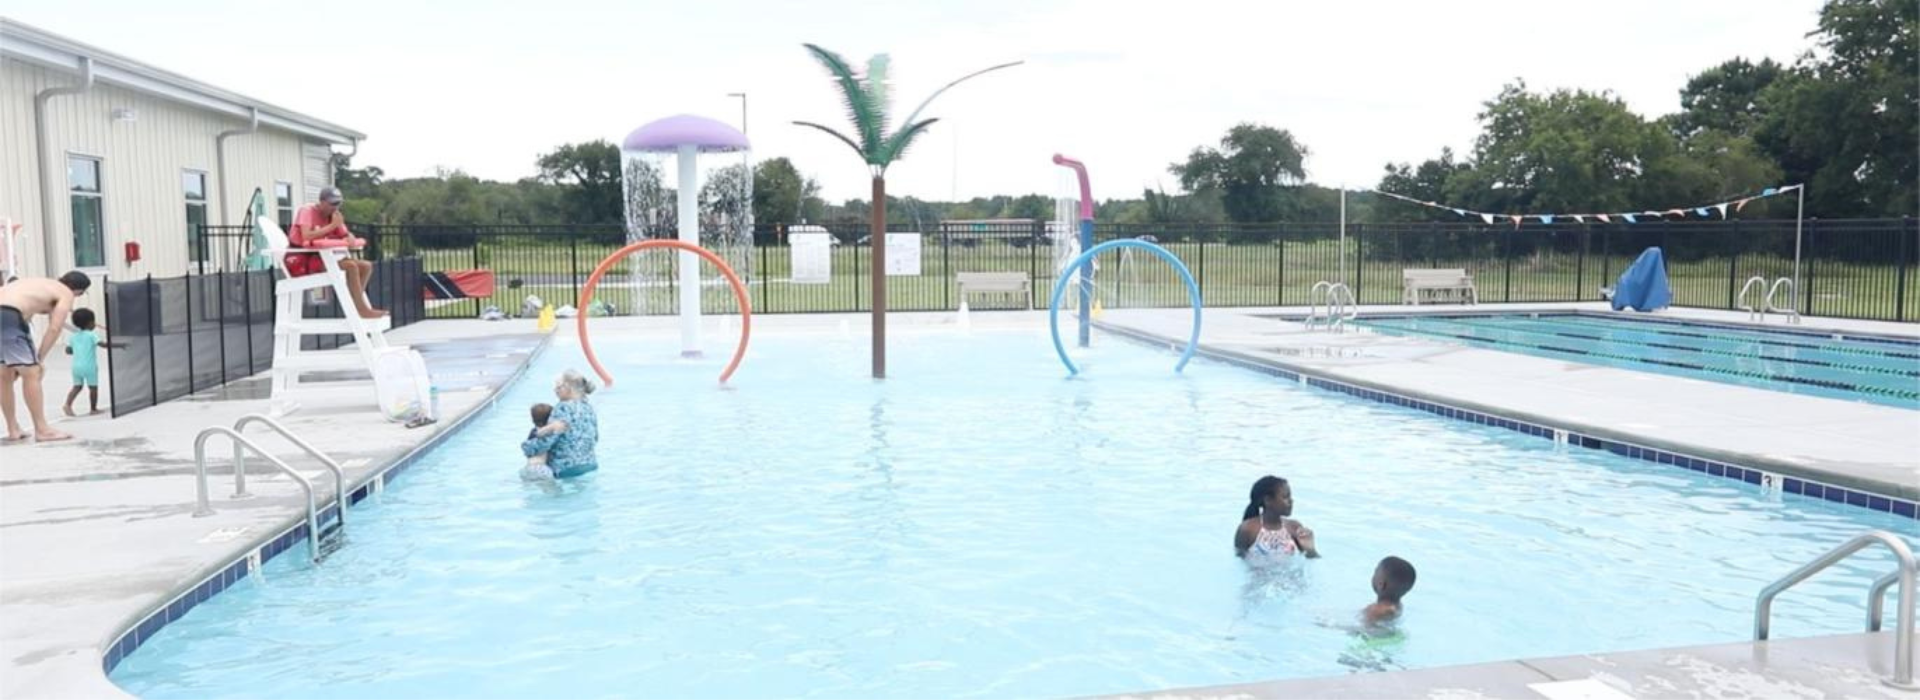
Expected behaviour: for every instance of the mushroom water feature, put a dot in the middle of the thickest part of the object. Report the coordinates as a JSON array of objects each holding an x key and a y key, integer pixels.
[{"x": 686, "y": 138}]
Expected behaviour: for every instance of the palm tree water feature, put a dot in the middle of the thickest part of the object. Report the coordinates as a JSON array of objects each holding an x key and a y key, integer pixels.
[
  {"x": 711, "y": 210},
  {"x": 879, "y": 145}
]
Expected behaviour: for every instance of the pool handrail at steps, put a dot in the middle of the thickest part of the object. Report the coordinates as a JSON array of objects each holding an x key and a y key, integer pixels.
[
  {"x": 1903, "y": 615},
  {"x": 1341, "y": 305},
  {"x": 1755, "y": 312},
  {"x": 1793, "y": 315},
  {"x": 316, "y": 539}
]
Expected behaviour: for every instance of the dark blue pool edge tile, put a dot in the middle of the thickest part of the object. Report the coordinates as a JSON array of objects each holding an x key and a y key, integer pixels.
[
  {"x": 136, "y": 632},
  {"x": 1574, "y": 438}
]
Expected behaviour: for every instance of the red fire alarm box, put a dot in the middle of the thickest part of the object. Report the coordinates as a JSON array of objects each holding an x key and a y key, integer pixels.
[{"x": 133, "y": 252}]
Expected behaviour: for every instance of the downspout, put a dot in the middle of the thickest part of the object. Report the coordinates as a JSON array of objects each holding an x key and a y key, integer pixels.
[
  {"x": 47, "y": 182},
  {"x": 220, "y": 158},
  {"x": 335, "y": 159}
]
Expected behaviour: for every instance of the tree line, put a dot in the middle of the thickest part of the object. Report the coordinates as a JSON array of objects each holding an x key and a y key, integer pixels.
[{"x": 1843, "y": 118}]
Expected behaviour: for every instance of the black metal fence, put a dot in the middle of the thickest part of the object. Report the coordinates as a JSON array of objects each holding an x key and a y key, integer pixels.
[
  {"x": 177, "y": 336},
  {"x": 1866, "y": 269}
]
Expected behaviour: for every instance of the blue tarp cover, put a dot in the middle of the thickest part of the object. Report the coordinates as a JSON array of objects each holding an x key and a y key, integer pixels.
[{"x": 1643, "y": 287}]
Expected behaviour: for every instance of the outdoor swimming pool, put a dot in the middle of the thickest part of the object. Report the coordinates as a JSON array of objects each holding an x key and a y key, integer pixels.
[
  {"x": 979, "y": 526},
  {"x": 1856, "y": 369}
]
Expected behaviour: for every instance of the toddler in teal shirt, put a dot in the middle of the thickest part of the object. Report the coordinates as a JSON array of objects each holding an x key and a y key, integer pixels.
[{"x": 84, "y": 345}]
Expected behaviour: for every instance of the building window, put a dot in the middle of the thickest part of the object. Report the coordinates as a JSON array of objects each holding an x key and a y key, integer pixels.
[
  {"x": 83, "y": 185},
  {"x": 193, "y": 185},
  {"x": 283, "y": 204}
]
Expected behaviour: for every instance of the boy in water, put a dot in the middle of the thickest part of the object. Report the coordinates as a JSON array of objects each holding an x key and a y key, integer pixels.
[
  {"x": 1392, "y": 579},
  {"x": 536, "y": 469},
  {"x": 84, "y": 345}
]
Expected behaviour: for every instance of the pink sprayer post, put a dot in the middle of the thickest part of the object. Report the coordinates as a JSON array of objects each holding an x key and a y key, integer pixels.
[{"x": 1086, "y": 243}]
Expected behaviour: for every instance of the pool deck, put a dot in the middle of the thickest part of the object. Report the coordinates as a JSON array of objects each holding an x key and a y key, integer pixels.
[
  {"x": 97, "y": 532},
  {"x": 1847, "y": 443}
]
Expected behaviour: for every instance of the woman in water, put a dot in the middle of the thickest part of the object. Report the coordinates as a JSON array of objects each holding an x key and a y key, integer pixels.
[
  {"x": 1267, "y": 534},
  {"x": 571, "y": 433}
]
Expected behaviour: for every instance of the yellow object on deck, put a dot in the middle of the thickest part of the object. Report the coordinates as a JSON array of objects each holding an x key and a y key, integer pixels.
[
  {"x": 1096, "y": 308},
  {"x": 546, "y": 318}
]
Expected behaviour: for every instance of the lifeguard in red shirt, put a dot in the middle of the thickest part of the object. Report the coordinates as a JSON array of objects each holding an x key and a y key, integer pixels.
[{"x": 321, "y": 225}]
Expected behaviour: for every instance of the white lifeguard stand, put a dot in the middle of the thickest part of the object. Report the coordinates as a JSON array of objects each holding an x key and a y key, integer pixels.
[{"x": 290, "y": 325}]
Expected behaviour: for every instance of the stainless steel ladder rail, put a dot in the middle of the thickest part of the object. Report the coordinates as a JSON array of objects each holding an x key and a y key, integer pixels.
[
  {"x": 1903, "y": 615},
  {"x": 1793, "y": 290},
  {"x": 1754, "y": 313},
  {"x": 239, "y": 457},
  {"x": 203, "y": 509},
  {"x": 1320, "y": 290},
  {"x": 1341, "y": 306}
]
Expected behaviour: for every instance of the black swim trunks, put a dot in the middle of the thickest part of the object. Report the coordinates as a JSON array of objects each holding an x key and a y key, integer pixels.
[{"x": 16, "y": 339}]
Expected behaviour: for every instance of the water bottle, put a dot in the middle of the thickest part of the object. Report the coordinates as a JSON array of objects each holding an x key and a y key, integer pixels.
[{"x": 434, "y": 393}]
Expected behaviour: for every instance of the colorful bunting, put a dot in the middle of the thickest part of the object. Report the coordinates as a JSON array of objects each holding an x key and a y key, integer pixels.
[{"x": 1705, "y": 211}]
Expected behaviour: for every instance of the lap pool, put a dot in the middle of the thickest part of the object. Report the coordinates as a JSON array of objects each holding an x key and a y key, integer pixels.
[{"x": 980, "y": 526}]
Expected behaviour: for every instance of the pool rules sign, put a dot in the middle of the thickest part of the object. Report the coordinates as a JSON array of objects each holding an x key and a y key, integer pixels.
[
  {"x": 903, "y": 254},
  {"x": 812, "y": 257}
]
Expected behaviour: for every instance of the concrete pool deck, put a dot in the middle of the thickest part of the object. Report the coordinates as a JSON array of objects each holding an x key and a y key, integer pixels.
[
  {"x": 1845, "y": 443},
  {"x": 97, "y": 532}
]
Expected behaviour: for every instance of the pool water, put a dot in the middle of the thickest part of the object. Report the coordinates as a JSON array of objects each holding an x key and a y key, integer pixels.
[
  {"x": 980, "y": 526},
  {"x": 1854, "y": 369}
]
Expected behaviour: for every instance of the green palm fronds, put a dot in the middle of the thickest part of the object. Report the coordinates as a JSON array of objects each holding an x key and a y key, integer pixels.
[{"x": 868, "y": 101}]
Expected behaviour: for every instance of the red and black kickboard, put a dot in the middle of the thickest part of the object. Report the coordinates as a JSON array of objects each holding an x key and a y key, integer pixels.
[{"x": 458, "y": 284}]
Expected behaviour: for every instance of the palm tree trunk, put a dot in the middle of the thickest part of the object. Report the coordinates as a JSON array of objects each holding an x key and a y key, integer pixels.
[{"x": 878, "y": 239}]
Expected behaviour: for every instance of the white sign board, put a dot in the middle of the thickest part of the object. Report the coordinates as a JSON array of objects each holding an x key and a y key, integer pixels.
[
  {"x": 812, "y": 257},
  {"x": 903, "y": 254}
]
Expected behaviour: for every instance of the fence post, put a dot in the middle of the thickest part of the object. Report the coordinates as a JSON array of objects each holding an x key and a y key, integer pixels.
[
  {"x": 221, "y": 285},
  {"x": 573, "y": 264},
  {"x": 476, "y": 266},
  {"x": 106, "y": 314},
  {"x": 1506, "y": 251},
  {"x": 1580, "y": 264},
  {"x": 947, "y": 280},
  {"x": 153, "y": 350},
  {"x": 1359, "y": 268},
  {"x": 1280, "y": 241},
  {"x": 187, "y": 281},
  {"x": 1200, "y": 272},
  {"x": 246, "y": 307},
  {"x": 1733, "y": 269},
  {"x": 1806, "y": 295},
  {"x": 1606, "y": 254},
  {"x": 1900, "y": 275}
]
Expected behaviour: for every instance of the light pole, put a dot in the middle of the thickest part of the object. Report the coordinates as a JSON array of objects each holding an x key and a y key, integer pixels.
[{"x": 743, "y": 109}]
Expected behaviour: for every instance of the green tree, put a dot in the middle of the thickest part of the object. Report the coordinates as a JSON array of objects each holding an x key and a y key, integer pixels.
[
  {"x": 1566, "y": 151},
  {"x": 1725, "y": 98},
  {"x": 1847, "y": 122},
  {"x": 781, "y": 195},
  {"x": 588, "y": 175},
  {"x": 1427, "y": 181},
  {"x": 1251, "y": 170},
  {"x": 878, "y": 145}
]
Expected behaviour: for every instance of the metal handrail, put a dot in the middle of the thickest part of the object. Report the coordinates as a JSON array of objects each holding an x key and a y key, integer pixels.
[
  {"x": 1321, "y": 289},
  {"x": 200, "y": 481},
  {"x": 1903, "y": 616},
  {"x": 1793, "y": 315},
  {"x": 1877, "y": 599},
  {"x": 1341, "y": 306},
  {"x": 339, "y": 474},
  {"x": 1753, "y": 313}
]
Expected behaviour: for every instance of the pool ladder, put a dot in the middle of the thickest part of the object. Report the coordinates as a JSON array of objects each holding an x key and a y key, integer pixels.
[
  {"x": 1341, "y": 306},
  {"x": 1876, "y": 598},
  {"x": 1758, "y": 309},
  {"x": 320, "y": 543}
]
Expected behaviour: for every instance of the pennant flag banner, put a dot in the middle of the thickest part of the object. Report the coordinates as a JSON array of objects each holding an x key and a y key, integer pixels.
[{"x": 1705, "y": 211}]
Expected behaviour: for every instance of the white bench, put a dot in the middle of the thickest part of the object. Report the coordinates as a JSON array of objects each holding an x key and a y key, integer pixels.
[
  {"x": 995, "y": 283},
  {"x": 1453, "y": 285}
]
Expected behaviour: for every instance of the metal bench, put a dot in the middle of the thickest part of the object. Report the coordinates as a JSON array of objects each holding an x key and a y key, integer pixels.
[
  {"x": 996, "y": 283},
  {"x": 1455, "y": 285}
]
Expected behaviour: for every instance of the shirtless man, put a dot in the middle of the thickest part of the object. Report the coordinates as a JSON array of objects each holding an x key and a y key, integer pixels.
[{"x": 20, "y": 357}]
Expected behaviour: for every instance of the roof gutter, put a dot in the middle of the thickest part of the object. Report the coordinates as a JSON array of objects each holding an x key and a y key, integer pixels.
[
  {"x": 48, "y": 185},
  {"x": 220, "y": 158}
]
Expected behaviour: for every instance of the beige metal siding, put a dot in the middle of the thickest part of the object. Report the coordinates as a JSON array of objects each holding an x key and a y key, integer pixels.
[
  {"x": 316, "y": 170},
  {"x": 141, "y": 164}
]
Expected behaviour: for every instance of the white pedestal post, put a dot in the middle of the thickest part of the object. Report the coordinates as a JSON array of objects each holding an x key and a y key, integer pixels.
[{"x": 689, "y": 209}]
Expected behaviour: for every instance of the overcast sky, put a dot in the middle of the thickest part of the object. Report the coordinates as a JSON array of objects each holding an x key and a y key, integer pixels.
[{"x": 1128, "y": 87}]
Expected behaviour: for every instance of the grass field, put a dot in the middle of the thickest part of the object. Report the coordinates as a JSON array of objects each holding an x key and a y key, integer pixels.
[{"x": 1229, "y": 275}]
